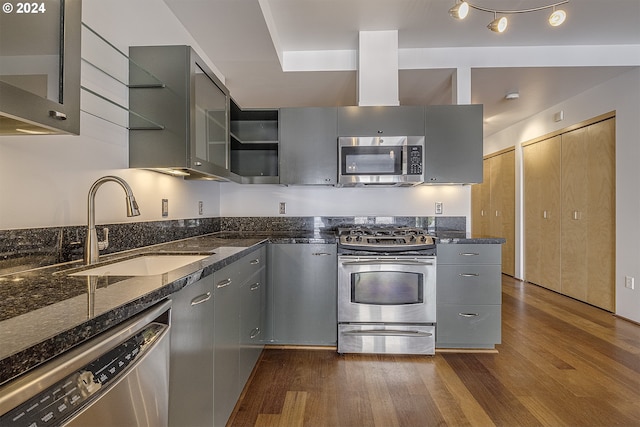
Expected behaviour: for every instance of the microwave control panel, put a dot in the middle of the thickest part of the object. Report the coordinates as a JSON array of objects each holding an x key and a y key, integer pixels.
[{"x": 414, "y": 161}]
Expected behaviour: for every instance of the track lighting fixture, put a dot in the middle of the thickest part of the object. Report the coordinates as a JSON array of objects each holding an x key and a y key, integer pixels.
[
  {"x": 461, "y": 9},
  {"x": 498, "y": 25}
]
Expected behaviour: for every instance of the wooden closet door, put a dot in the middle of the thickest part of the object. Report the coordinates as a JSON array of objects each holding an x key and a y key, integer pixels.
[
  {"x": 480, "y": 202},
  {"x": 575, "y": 215},
  {"x": 542, "y": 215},
  {"x": 503, "y": 206},
  {"x": 601, "y": 203}
]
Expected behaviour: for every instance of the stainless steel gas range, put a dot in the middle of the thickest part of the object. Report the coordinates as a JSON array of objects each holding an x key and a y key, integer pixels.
[{"x": 386, "y": 290}]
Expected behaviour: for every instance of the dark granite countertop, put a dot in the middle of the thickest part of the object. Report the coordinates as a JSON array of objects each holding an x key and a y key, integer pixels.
[
  {"x": 455, "y": 237},
  {"x": 44, "y": 311}
]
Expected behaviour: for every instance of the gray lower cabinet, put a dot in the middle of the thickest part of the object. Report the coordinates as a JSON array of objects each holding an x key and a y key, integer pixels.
[
  {"x": 230, "y": 352},
  {"x": 252, "y": 312},
  {"x": 469, "y": 295},
  {"x": 303, "y": 294},
  {"x": 191, "y": 369},
  {"x": 308, "y": 146},
  {"x": 453, "y": 136}
]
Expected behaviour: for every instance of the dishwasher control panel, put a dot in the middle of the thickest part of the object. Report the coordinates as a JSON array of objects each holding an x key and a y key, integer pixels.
[{"x": 62, "y": 400}]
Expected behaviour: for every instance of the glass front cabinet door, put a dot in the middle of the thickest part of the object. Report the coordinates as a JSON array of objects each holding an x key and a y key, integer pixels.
[{"x": 40, "y": 67}]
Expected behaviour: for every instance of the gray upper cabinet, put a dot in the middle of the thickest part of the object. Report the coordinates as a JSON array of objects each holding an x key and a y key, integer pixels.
[
  {"x": 40, "y": 68},
  {"x": 381, "y": 121},
  {"x": 254, "y": 145},
  {"x": 308, "y": 146},
  {"x": 180, "y": 126},
  {"x": 454, "y": 144}
]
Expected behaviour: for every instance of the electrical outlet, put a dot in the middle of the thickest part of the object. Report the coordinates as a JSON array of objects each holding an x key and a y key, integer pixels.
[
  {"x": 438, "y": 208},
  {"x": 629, "y": 282},
  {"x": 165, "y": 207},
  {"x": 200, "y": 207},
  {"x": 283, "y": 208}
]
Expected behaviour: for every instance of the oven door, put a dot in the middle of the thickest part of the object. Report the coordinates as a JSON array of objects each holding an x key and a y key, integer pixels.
[{"x": 386, "y": 289}]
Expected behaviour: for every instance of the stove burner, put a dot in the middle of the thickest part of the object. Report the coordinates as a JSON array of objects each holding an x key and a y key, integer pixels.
[{"x": 385, "y": 238}]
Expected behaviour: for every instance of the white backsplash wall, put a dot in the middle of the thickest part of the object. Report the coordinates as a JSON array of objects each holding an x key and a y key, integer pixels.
[
  {"x": 44, "y": 180},
  {"x": 263, "y": 200}
]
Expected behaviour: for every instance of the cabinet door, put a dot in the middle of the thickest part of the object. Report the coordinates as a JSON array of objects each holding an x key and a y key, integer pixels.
[
  {"x": 308, "y": 146},
  {"x": 304, "y": 294},
  {"x": 575, "y": 230},
  {"x": 542, "y": 204},
  {"x": 40, "y": 67},
  {"x": 191, "y": 373},
  {"x": 226, "y": 342},
  {"x": 381, "y": 121},
  {"x": 454, "y": 144},
  {"x": 252, "y": 300}
]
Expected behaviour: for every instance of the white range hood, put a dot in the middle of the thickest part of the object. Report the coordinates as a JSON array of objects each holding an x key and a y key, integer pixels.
[{"x": 378, "y": 68}]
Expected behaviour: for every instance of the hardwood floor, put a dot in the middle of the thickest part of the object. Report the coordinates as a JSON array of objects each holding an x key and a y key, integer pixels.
[{"x": 561, "y": 363}]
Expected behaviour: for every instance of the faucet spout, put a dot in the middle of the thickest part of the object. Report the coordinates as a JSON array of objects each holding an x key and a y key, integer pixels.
[{"x": 92, "y": 252}]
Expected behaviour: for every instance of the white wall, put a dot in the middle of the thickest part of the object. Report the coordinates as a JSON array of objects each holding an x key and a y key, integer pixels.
[
  {"x": 44, "y": 180},
  {"x": 263, "y": 200},
  {"x": 621, "y": 95}
]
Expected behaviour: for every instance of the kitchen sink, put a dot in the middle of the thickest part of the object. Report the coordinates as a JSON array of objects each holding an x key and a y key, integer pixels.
[{"x": 145, "y": 265}]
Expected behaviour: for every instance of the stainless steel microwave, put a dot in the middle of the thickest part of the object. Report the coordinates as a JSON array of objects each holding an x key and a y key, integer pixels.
[{"x": 381, "y": 160}]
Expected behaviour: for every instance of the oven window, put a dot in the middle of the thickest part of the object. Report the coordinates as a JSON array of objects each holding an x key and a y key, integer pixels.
[{"x": 386, "y": 288}]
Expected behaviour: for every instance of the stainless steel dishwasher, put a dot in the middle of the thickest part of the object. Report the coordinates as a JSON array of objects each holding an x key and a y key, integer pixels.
[{"x": 119, "y": 378}]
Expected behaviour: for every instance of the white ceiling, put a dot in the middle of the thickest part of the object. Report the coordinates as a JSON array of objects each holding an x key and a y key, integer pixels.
[{"x": 252, "y": 41}]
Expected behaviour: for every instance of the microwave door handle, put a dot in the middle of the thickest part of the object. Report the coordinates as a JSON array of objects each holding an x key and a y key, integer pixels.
[{"x": 389, "y": 261}]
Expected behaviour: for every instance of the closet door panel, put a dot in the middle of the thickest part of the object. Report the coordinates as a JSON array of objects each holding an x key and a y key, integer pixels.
[
  {"x": 575, "y": 217},
  {"x": 601, "y": 207}
]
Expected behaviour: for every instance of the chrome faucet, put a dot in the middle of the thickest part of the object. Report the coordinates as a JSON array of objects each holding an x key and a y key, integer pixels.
[{"x": 92, "y": 250}]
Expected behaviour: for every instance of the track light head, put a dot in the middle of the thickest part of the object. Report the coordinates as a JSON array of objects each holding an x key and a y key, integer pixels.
[
  {"x": 557, "y": 17},
  {"x": 498, "y": 25},
  {"x": 460, "y": 10}
]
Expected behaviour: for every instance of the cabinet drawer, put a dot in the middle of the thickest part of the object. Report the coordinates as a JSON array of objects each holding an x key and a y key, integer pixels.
[
  {"x": 252, "y": 262},
  {"x": 471, "y": 326},
  {"x": 469, "y": 284},
  {"x": 241, "y": 270},
  {"x": 469, "y": 253}
]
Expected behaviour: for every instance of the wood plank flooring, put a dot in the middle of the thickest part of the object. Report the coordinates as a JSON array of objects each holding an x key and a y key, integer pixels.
[{"x": 561, "y": 363}]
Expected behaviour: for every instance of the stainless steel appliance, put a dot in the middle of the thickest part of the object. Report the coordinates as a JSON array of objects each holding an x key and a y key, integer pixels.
[
  {"x": 120, "y": 378},
  {"x": 383, "y": 160},
  {"x": 386, "y": 291}
]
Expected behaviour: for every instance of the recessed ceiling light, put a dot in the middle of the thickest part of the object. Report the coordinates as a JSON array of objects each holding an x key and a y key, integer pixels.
[{"x": 512, "y": 95}]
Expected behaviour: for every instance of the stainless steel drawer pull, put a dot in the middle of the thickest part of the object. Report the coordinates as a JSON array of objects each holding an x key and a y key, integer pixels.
[
  {"x": 388, "y": 333},
  {"x": 201, "y": 298},
  {"x": 469, "y": 274},
  {"x": 254, "y": 333},
  {"x": 468, "y": 253},
  {"x": 224, "y": 283},
  {"x": 321, "y": 254},
  {"x": 255, "y": 286},
  {"x": 468, "y": 314},
  {"x": 254, "y": 262}
]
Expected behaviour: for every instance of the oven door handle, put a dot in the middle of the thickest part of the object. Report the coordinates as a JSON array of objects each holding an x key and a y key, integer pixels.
[
  {"x": 387, "y": 333},
  {"x": 387, "y": 261}
]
